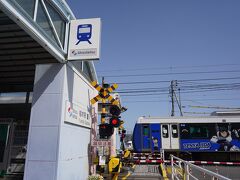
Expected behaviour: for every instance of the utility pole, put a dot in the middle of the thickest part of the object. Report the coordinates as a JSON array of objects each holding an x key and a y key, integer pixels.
[
  {"x": 180, "y": 104},
  {"x": 172, "y": 97}
]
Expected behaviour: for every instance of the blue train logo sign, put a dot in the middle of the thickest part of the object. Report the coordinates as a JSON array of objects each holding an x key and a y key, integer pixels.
[
  {"x": 84, "y": 39},
  {"x": 84, "y": 33}
]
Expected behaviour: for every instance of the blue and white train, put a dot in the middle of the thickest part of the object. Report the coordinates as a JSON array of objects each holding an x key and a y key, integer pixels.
[{"x": 187, "y": 134}]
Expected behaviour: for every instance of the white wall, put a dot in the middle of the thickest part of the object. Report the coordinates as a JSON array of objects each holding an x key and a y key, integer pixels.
[{"x": 58, "y": 150}]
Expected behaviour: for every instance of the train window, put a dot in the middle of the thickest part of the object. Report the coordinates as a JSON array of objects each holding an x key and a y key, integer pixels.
[
  {"x": 145, "y": 130},
  {"x": 165, "y": 131},
  {"x": 174, "y": 131},
  {"x": 199, "y": 132},
  {"x": 184, "y": 133},
  {"x": 235, "y": 130}
]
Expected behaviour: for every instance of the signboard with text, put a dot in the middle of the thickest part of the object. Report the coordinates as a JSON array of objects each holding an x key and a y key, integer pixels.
[
  {"x": 77, "y": 114},
  {"x": 84, "y": 39},
  {"x": 99, "y": 143}
]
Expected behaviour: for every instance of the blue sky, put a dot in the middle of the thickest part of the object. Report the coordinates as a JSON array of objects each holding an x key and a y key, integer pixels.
[{"x": 168, "y": 40}]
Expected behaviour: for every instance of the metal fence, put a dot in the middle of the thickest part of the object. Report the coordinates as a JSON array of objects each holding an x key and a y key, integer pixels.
[{"x": 184, "y": 170}]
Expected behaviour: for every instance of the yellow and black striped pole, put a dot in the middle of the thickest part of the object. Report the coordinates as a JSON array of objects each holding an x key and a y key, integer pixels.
[{"x": 103, "y": 114}]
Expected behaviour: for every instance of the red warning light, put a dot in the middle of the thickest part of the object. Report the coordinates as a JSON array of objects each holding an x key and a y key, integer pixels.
[{"x": 115, "y": 122}]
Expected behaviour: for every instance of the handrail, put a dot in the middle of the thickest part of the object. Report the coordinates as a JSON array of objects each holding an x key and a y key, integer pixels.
[{"x": 187, "y": 173}]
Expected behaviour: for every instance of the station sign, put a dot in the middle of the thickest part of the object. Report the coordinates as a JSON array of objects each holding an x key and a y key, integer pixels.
[
  {"x": 84, "y": 39},
  {"x": 77, "y": 114}
]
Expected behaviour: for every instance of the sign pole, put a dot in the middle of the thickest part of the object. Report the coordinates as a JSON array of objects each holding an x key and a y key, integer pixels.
[{"x": 103, "y": 114}]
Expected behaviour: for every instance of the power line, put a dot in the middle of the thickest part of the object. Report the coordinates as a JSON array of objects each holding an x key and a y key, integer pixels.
[
  {"x": 179, "y": 86},
  {"x": 161, "y": 93},
  {"x": 213, "y": 107},
  {"x": 186, "y": 100},
  {"x": 169, "y": 68},
  {"x": 178, "y": 73},
  {"x": 203, "y": 87},
  {"x": 185, "y": 80},
  {"x": 196, "y": 113}
]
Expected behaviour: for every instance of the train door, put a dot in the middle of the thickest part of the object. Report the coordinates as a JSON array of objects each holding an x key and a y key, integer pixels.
[
  {"x": 170, "y": 136},
  {"x": 155, "y": 137},
  {"x": 146, "y": 137},
  {"x": 166, "y": 141},
  {"x": 174, "y": 136}
]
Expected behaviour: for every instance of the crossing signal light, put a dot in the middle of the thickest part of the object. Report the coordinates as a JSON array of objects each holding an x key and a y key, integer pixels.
[
  {"x": 105, "y": 130},
  {"x": 115, "y": 111},
  {"x": 115, "y": 122}
]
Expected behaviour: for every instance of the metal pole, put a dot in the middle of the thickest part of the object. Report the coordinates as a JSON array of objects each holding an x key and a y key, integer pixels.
[
  {"x": 186, "y": 172},
  {"x": 172, "y": 167},
  {"x": 172, "y": 98},
  {"x": 180, "y": 103},
  {"x": 103, "y": 114}
]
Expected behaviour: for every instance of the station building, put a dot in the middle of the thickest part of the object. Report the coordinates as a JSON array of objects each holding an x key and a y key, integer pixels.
[{"x": 45, "y": 110}]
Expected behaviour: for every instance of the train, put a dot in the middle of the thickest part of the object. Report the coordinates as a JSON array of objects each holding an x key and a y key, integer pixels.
[{"x": 198, "y": 136}]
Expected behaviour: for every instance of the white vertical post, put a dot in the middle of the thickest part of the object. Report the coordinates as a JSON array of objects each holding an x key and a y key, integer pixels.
[
  {"x": 172, "y": 166},
  {"x": 114, "y": 144},
  {"x": 186, "y": 172},
  {"x": 162, "y": 154}
]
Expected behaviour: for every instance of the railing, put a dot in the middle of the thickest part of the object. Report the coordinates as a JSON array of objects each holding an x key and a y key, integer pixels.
[{"x": 183, "y": 170}]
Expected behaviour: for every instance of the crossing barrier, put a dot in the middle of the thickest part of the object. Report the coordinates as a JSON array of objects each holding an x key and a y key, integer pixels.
[{"x": 154, "y": 158}]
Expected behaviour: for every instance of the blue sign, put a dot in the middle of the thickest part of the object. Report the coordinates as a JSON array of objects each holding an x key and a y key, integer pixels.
[{"x": 84, "y": 33}]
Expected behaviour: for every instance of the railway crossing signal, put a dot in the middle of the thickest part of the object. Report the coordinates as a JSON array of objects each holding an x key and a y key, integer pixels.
[
  {"x": 115, "y": 111},
  {"x": 105, "y": 130},
  {"x": 104, "y": 93}
]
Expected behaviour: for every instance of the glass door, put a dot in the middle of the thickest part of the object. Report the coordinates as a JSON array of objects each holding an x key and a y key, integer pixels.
[
  {"x": 174, "y": 136},
  {"x": 165, "y": 136}
]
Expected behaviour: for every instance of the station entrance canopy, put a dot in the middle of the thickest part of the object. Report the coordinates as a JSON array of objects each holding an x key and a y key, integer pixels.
[{"x": 32, "y": 32}]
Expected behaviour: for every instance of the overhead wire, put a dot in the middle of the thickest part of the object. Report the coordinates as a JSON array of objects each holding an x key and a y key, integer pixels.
[
  {"x": 175, "y": 73},
  {"x": 183, "y": 88},
  {"x": 169, "y": 67},
  {"x": 187, "y": 86},
  {"x": 184, "y": 92},
  {"x": 184, "y": 80},
  {"x": 185, "y": 100}
]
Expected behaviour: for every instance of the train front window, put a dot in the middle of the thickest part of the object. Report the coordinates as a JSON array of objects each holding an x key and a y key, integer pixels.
[
  {"x": 145, "y": 130},
  {"x": 165, "y": 131}
]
